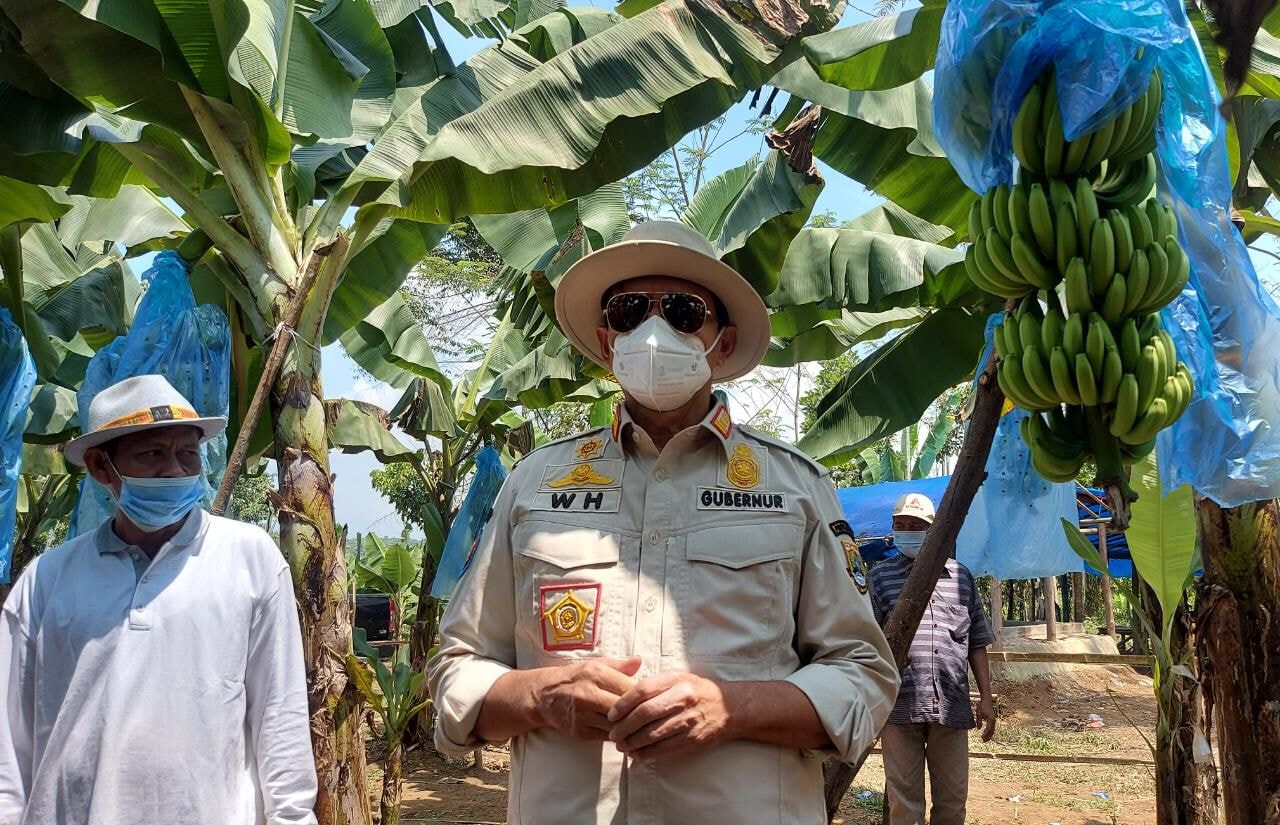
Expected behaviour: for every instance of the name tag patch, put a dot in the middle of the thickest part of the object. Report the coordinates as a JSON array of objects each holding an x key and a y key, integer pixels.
[
  {"x": 578, "y": 501},
  {"x": 570, "y": 615},
  {"x": 717, "y": 498}
]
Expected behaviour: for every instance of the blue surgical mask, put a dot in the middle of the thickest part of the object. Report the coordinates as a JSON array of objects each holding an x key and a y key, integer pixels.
[
  {"x": 155, "y": 503},
  {"x": 908, "y": 542}
]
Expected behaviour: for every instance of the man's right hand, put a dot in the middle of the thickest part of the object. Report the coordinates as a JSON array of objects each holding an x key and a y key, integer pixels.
[{"x": 575, "y": 699}]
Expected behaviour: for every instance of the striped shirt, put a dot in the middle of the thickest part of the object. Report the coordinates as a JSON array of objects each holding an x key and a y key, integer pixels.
[{"x": 935, "y": 682}]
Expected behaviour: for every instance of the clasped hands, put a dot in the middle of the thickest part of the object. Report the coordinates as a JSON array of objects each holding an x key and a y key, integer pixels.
[{"x": 600, "y": 699}]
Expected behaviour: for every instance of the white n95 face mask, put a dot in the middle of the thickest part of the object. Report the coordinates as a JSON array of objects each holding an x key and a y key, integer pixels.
[{"x": 659, "y": 367}]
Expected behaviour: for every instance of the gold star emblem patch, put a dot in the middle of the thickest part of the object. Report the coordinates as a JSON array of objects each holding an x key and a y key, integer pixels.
[{"x": 569, "y": 616}]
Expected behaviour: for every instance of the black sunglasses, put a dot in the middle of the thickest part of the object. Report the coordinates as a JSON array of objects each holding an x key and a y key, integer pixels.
[{"x": 683, "y": 311}]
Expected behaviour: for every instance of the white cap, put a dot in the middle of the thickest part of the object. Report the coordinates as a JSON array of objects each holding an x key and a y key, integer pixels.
[{"x": 915, "y": 504}]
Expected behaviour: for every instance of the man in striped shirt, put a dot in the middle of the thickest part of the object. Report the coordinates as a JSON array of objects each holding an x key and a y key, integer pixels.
[{"x": 933, "y": 715}]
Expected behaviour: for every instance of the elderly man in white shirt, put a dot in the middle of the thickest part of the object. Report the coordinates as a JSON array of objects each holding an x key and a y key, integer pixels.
[{"x": 151, "y": 671}]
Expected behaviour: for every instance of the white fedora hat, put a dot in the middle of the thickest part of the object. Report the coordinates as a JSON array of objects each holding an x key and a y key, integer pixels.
[
  {"x": 674, "y": 250},
  {"x": 143, "y": 402}
]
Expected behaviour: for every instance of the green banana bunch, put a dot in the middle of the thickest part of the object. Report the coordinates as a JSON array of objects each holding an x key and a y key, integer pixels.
[
  {"x": 1042, "y": 148},
  {"x": 1126, "y": 184},
  {"x": 1011, "y": 229},
  {"x": 1058, "y": 446}
]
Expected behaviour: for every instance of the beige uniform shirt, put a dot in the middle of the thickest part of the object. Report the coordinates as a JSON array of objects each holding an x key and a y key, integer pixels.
[{"x": 719, "y": 556}]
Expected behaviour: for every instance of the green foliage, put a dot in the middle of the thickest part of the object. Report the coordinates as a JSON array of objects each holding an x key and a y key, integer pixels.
[
  {"x": 394, "y": 693},
  {"x": 404, "y": 486},
  {"x": 249, "y": 500},
  {"x": 1162, "y": 537},
  {"x": 393, "y": 568}
]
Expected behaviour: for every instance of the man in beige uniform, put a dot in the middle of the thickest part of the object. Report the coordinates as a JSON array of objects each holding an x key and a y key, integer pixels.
[{"x": 667, "y": 617}]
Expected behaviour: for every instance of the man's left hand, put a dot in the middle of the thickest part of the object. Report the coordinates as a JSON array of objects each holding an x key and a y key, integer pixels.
[
  {"x": 669, "y": 714},
  {"x": 987, "y": 714}
]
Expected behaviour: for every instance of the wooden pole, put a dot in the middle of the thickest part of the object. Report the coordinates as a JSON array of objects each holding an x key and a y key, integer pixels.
[
  {"x": 1077, "y": 597},
  {"x": 1050, "y": 609},
  {"x": 1106, "y": 581},
  {"x": 939, "y": 545},
  {"x": 997, "y": 609}
]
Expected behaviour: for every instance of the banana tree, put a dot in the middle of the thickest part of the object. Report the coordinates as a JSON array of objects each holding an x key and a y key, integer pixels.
[
  {"x": 316, "y": 148},
  {"x": 911, "y": 453}
]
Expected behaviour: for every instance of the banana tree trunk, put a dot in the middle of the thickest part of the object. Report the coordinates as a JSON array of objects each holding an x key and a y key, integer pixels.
[
  {"x": 309, "y": 539},
  {"x": 1238, "y": 609},
  {"x": 1186, "y": 788},
  {"x": 392, "y": 784}
]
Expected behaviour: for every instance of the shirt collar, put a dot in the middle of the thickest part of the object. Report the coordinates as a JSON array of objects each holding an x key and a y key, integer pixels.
[
  {"x": 718, "y": 422},
  {"x": 109, "y": 542}
]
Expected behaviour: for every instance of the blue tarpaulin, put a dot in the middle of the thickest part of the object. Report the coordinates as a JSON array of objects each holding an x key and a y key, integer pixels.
[{"x": 17, "y": 378}]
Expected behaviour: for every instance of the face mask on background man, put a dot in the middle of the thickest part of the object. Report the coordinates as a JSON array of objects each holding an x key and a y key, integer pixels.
[{"x": 908, "y": 542}]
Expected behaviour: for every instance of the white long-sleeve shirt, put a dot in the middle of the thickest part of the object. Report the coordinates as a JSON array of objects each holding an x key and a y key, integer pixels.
[{"x": 169, "y": 693}]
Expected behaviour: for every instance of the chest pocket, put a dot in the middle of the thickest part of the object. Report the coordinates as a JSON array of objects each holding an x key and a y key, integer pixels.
[
  {"x": 734, "y": 592},
  {"x": 567, "y": 587},
  {"x": 953, "y": 620}
]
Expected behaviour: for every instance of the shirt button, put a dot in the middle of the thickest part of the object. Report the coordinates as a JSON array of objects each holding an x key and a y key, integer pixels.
[
  {"x": 650, "y": 604},
  {"x": 146, "y": 579},
  {"x": 138, "y": 607},
  {"x": 662, "y": 475},
  {"x": 653, "y": 537}
]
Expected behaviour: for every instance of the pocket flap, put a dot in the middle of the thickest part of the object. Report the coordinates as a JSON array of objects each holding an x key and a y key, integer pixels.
[
  {"x": 565, "y": 548},
  {"x": 743, "y": 545}
]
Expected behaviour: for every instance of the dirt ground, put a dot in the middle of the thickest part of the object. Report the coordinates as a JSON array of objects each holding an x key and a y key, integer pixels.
[{"x": 1048, "y": 716}]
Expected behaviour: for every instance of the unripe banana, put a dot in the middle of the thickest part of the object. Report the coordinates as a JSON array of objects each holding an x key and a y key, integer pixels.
[
  {"x": 1095, "y": 343},
  {"x": 1099, "y": 145},
  {"x": 1113, "y": 303},
  {"x": 975, "y": 220},
  {"x": 1149, "y": 423},
  {"x": 1051, "y": 329},
  {"x": 1158, "y": 281},
  {"x": 1130, "y": 346},
  {"x": 1060, "y": 193},
  {"x": 1149, "y": 379},
  {"x": 1136, "y": 281},
  {"x": 1055, "y": 147},
  {"x": 1036, "y": 371},
  {"x": 1150, "y": 327},
  {"x": 1140, "y": 227},
  {"x": 1086, "y": 209},
  {"x": 1026, "y": 130},
  {"x": 998, "y": 252},
  {"x": 985, "y": 207},
  {"x": 1086, "y": 383},
  {"x": 1124, "y": 240},
  {"x": 1020, "y": 213},
  {"x": 1066, "y": 235},
  {"x": 1102, "y": 258},
  {"x": 1112, "y": 372},
  {"x": 1013, "y": 383},
  {"x": 1179, "y": 272},
  {"x": 985, "y": 276},
  {"x": 1073, "y": 335},
  {"x": 1000, "y": 212},
  {"x": 1028, "y": 330},
  {"x": 1063, "y": 378},
  {"x": 1079, "y": 299},
  {"x": 1042, "y": 222},
  {"x": 1012, "y": 336},
  {"x": 1030, "y": 266},
  {"x": 1126, "y": 409}
]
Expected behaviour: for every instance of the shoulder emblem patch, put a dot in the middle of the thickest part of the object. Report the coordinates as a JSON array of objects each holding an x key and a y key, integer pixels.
[
  {"x": 589, "y": 448},
  {"x": 570, "y": 616},
  {"x": 743, "y": 471},
  {"x": 854, "y": 563},
  {"x": 722, "y": 422},
  {"x": 584, "y": 475}
]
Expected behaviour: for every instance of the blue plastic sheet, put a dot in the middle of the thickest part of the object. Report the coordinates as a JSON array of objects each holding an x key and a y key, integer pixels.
[
  {"x": 189, "y": 345},
  {"x": 1224, "y": 325},
  {"x": 468, "y": 526},
  {"x": 17, "y": 379}
]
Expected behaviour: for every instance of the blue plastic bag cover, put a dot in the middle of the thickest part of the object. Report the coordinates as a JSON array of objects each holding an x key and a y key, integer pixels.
[
  {"x": 189, "y": 345},
  {"x": 468, "y": 526},
  {"x": 17, "y": 379},
  {"x": 1224, "y": 325},
  {"x": 1013, "y": 530}
]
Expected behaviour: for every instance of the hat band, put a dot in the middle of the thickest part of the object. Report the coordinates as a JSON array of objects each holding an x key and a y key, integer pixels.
[{"x": 152, "y": 415}]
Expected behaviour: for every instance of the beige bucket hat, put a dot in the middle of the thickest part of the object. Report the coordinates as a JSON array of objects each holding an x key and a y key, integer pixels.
[
  {"x": 143, "y": 402},
  {"x": 662, "y": 248}
]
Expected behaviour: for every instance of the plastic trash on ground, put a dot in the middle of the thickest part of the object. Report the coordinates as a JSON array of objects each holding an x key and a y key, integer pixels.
[
  {"x": 468, "y": 526},
  {"x": 17, "y": 379},
  {"x": 1224, "y": 325},
  {"x": 189, "y": 345}
]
